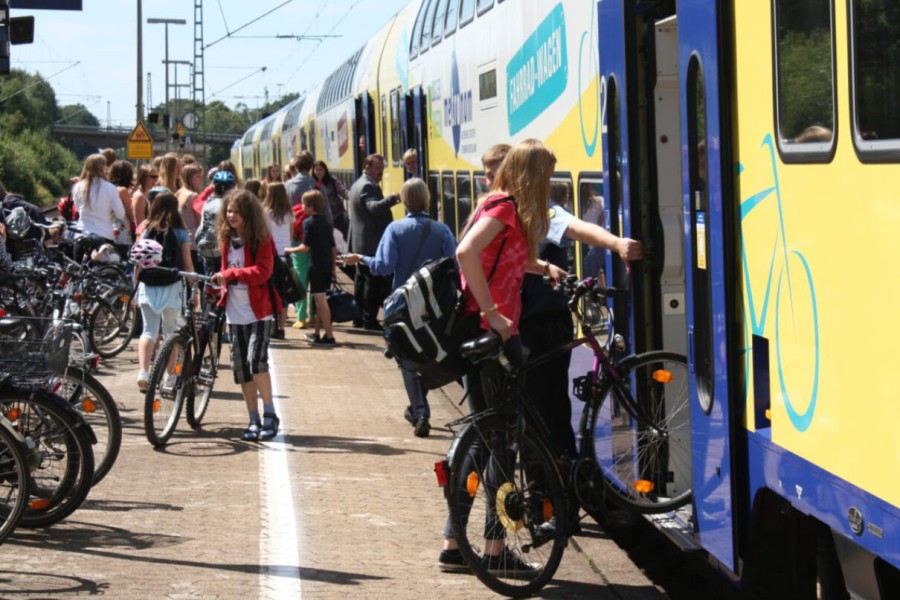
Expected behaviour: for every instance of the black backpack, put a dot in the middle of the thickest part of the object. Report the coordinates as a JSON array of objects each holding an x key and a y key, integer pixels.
[{"x": 166, "y": 273}]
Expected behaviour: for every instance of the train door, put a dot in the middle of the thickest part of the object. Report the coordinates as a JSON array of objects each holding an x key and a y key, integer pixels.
[
  {"x": 418, "y": 130},
  {"x": 364, "y": 140},
  {"x": 705, "y": 154}
]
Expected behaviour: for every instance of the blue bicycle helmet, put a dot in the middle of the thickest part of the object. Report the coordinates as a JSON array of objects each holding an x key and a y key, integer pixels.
[{"x": 223, "y": 181}]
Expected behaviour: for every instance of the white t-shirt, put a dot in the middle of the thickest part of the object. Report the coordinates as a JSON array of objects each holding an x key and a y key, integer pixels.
[
  {"x": 238, "y": 310},
  {"x": 281, "y": 234},
  {"x": 106, "y": 207}
]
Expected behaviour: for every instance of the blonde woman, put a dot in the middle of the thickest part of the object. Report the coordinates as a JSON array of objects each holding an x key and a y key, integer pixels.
[
  {"x": 192, "y": 175},
  {"x": 169, "y": 171},
  {"x": 280, "y": 218},
  {"x": 97, "y": 200},
  {"x": 140, "y": 204},
  {"x": 121, "y": 175}
]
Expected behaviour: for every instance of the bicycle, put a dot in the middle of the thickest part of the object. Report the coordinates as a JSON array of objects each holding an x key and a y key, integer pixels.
[
  {"x": 13, "y": 477},
  {"x": 185, "y": 368},
  {"x": 501, "y": 469}
]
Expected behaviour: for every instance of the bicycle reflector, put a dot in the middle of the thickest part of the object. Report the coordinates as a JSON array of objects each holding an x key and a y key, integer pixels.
[
  {"x": 89, "y": 406},
  {"x": 662, "y": 376},
  {"x": 472, "y": 482},
  {"x": 442, "y": 472},
  {"x": 642, "y": 486},
  {"x": 2, "y": 312}
]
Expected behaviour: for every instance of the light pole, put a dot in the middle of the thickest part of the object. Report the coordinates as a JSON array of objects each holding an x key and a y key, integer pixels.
[
  {"x": 140, "y": 64},
  {"x": 167, "y": 22}
]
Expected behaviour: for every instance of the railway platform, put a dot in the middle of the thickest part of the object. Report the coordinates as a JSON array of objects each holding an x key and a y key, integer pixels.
[{"x": 343, "y": 503}]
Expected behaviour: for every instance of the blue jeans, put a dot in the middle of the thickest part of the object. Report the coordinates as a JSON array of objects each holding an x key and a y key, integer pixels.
[{"x": 418, "y": 402}]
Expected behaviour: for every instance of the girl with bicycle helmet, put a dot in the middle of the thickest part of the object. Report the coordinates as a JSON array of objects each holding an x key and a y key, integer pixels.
[
  {"x": 207, "y": 242},
  {"x": 164, "y": 243}
]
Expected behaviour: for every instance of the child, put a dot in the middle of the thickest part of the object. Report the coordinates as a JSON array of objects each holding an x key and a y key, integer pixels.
[
  {"x": 279, "y": 218},
  {"x": 318, "y": 241},
  {"x": 300, "y": 261},
  {"x": 248, "y": 255}
]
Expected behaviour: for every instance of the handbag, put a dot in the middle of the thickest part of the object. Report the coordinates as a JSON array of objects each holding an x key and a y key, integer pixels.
[
  {"x": 342, "y": 304},
  {"x": 287, "y": 282}
]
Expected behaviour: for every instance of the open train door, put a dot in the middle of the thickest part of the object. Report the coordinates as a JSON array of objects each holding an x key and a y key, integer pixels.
[
  {"x": 709, "y": 245},
  {"x": 418, "y": 134},
  {"x": 364, "y": 133}
]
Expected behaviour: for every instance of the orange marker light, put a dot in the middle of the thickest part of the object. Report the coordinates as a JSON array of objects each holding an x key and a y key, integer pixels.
[
  {"x": 548, "y": 509},
  {"x": 13, "y": 414},
  {"x": 42, "y": 504},
  {"x": 642, "y": 486},
  {"x": 89, "y": 406},
  {"x": 662, "y": 376},
  {"x": 156, "y": 404},
  {"x": 123, "y": 299},
  {"x": 178, "y": 369},
  {"x": 472, "y": 482}
]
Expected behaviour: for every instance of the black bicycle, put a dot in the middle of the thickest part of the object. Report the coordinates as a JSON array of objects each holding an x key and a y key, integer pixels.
[
  {"x": 511, "y": 495},
  {"x": 185, "y": 368}
]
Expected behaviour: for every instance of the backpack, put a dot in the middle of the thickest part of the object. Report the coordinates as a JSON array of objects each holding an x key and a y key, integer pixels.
[
  {"x": 166, "y": 273},
  {"x": 425, "y": 321},
  {"x": 287, "y": 282},
  {"x": 207, "y": 242}
]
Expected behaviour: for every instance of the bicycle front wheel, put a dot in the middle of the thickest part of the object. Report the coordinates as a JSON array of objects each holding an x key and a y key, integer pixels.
[
  {"x": 169, "y": 384},
  {"x": 111, "y": 324},
  {"x": 13, "y": 482},
  {"x": 204, "y": 379},
  {"x": 508, "y": 506},
  {"x": 641, "y": 433}
]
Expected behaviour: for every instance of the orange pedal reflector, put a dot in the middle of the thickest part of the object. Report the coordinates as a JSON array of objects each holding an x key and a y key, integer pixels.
[
  {"x": 472, "y": 482},
  {"x": 42, "y": 504},
  {"x": 662, "y": 376},
  {"x": 89, "y": 405},
  {"x": 156, "y": 404},
  {"x": 548, "y": 509},
  {"x": 177, "y": 369},
  {"x": 642, "y": 486},
  {"x": 13, "y": 414},
  {"x": 123, "y": 299}
]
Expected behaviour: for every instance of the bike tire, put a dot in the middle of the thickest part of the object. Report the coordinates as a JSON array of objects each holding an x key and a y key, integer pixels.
[
  {"x": 513, "y": 490},
  {"x": 96, "y": 405},
  {"x": 13, "y": 482},
  {"x": 203, "y": 380},
  {"x": 59, "y": 455},
  {"x": 111, "y": 326},
  {"x": 163, "y": 404},
  {"x": 645, "y": 451}
]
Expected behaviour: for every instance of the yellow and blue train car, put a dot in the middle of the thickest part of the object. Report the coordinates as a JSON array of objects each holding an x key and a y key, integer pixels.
[{"x": 753, "y": 148}]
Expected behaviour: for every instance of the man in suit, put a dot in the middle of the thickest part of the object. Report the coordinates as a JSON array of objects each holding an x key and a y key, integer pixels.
[{"x": 370, "y": 214}]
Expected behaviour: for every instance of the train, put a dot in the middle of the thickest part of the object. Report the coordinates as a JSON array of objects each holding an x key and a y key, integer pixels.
[{"x": 753, "y": 148}]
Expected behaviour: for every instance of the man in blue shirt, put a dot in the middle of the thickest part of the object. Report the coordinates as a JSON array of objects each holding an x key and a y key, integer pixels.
[{"x": 406, "y": 245}]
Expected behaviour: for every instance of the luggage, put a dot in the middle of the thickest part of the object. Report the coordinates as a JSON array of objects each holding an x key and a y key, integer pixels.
[
  {"x": 342, "y": 304},
  {"x": 287, "y": 282}
]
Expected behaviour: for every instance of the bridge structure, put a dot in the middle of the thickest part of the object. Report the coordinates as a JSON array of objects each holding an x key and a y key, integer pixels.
[{"x": 115, "y": 137}]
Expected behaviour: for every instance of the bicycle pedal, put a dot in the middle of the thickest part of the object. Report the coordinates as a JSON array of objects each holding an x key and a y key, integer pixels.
[{"x": 582, "y": 387}]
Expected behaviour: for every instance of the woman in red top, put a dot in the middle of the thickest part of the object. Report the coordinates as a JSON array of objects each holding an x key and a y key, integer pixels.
[
  {"x": 501, "y": 243},
  {"x": 248, "y": 259}
]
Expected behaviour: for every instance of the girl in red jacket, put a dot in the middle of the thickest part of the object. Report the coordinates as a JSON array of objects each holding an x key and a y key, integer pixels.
[{"x": 251, "y": 303}]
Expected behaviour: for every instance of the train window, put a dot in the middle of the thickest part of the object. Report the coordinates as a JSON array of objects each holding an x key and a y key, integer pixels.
[
  {"x": 437, "y": 27},
  {"x": 425, "y": 40},
  {"x": 484, "y": 6},
  {"x": 384, "y": 129},
  {"x": 464, "y": 194},
  {"x": 481, "y": 184},
  {"x": 875, "y": 31},
  {"x": 487, "y": 85},
  {"x": 417, "y": 33},
  {"x": 804, "y": 79},
  {"x": 448, "y": 200},
  {"x": 434, "y": 187},
  {"x": 466, "y": 12},
  {"x": 561, "y": 192},
  {"x": 591, "y": 209},
  {"x": 395, "y": 126},
  {"x": 452, "y": 17}
]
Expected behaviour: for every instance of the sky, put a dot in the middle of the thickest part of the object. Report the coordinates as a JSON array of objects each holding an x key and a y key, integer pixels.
[{"x": 102, "y": 40}]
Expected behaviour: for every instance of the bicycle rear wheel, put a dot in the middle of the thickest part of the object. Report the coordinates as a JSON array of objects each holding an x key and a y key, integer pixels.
[
  {"x": 504, "y": 493},
  {"x": 13, "y": 482},
  {"x": 203, "y": 381},
  {"x": 97, "y": 407},
  {"x": 167, "y": 390},
  {"x": 59, "y": 454},
  {"x": 111, "y": 324},
  {"x": 640, "y": 428}
]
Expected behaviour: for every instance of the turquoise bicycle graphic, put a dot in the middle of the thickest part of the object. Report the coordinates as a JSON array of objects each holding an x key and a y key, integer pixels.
[{"x": 794, "y": 287}]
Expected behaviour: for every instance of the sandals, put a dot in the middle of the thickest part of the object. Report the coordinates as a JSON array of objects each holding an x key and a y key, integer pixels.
[
  {"x": 251, "y": 434},
  {"x": 269, "y": 427}
]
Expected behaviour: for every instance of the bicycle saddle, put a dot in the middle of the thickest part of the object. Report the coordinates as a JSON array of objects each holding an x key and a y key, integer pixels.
[{"x": 481, "y": 348}]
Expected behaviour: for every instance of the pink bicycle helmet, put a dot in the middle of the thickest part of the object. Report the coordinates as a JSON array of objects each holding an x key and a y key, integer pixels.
[{"x": 146, "y": 254}]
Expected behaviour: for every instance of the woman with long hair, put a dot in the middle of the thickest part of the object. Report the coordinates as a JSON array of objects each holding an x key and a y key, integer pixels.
[
  {"x": 160, "y": 299},
  {"x": 169, "y": 171},
  {"x": 248, "y": 259},
  {"x": 97, "y": 200},
  {"x": 335, "y": 194},
  {"x": 279, "y": 218},
  {"x": 192, "y": 175},
  {"x": 146, "y": 178},
  {"x": 121, "y": 175},
  {"x": 272, "y": 175}
]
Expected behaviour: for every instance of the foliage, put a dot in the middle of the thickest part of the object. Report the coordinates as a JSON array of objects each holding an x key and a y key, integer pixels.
[{"x": 805, "y": 78}]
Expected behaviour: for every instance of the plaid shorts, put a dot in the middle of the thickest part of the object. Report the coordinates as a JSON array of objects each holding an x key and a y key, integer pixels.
[{"x": 249, "y": 350}]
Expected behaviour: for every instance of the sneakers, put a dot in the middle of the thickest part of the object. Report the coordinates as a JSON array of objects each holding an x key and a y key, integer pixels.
[
  {"x": 312, "y": 337},
  {"x": 423, "y": 427},
  {"x": 325, "y": 342},
  {"x": 269, "y": 427},
  {"x": 301, "y": 324},
  {"x": 508, "y": 564},
  {"x": 251, "y": 434},
  {"x": 408, "y": 415},
  {"x": 143, "y": 380},
  {"x": 451, "y": 561}
]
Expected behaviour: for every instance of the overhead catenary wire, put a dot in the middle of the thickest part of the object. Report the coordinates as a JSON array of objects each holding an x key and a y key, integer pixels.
[
  {"x": 313, "y": 51},
  {"x": 245, "y": 25},
  {"x": 38, "y": 82}
]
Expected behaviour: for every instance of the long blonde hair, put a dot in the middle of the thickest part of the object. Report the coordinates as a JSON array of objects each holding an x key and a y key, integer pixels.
[
  {"x": 277, "y": 203},
  {"x": 94, "y": 168},
  {"x": 525, "y": 175},
  {"x": 168, "y": 167},
  {"x": 255, "y": 230}
]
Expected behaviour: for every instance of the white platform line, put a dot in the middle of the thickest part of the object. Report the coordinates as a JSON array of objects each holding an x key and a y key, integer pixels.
[{"x": 279, "y": 545}]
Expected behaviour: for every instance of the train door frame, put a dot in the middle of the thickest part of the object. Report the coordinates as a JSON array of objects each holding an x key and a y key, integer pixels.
[
  {"x": 365, "y": 129},
  {"x": 418, "y": 132},
  {"x": 709, "y": 223}
]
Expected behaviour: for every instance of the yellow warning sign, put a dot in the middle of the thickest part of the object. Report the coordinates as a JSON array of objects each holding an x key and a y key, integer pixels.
[
  {"x": 140, "y": 144},
  {"x": 179, "y": 129}
]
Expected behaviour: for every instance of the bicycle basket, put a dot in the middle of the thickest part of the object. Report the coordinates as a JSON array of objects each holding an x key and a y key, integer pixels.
[
  {"x": 25, "y": 353},
  {"x": 596, "y": 315}
]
